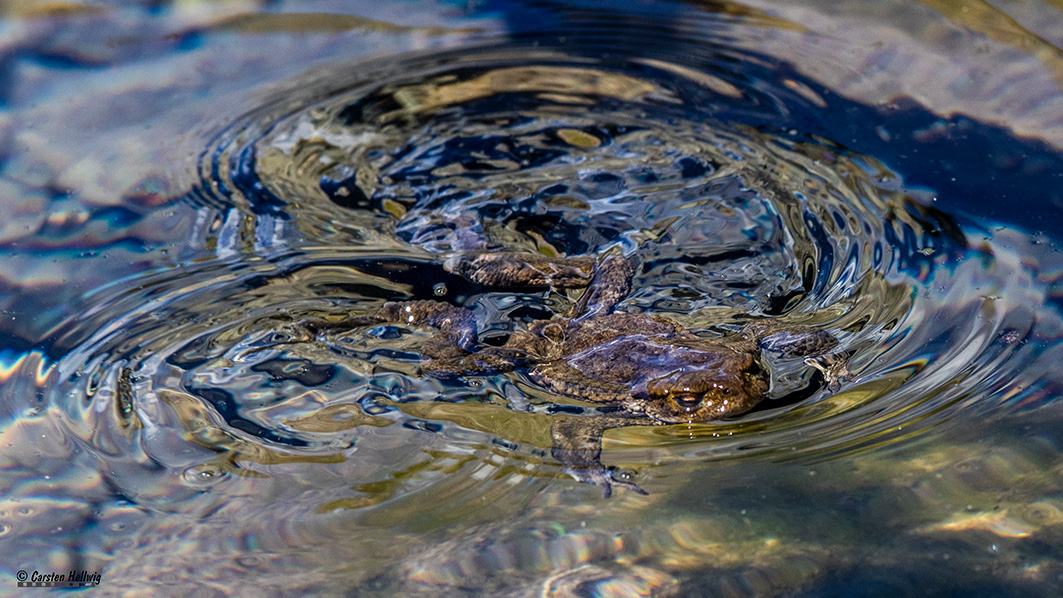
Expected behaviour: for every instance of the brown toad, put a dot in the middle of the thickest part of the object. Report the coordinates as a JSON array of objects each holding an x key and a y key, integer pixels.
[{"x": 649, "y": 369}]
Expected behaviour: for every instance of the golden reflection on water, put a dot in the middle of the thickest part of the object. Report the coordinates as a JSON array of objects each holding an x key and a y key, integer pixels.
[
  {"x": 561, "y": 82},
  {"x": 203, "y": 429},
  {"x": 532, "y": 429},
  {"x": 321, "y": 22},
  {"x": 748, "y": 14},
  {"x": 336, "y": 418},
  {"x": 47, "y": 9}
]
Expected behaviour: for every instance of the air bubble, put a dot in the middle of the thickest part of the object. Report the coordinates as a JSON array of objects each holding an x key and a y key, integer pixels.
[{"x": 204, "y": 475}]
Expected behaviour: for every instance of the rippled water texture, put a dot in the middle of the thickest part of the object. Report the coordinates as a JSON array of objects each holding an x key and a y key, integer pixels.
[{"x": 172, "y": 417}]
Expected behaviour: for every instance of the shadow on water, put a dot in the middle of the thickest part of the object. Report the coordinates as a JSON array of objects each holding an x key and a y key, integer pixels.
[{"x": 969, "y": 167}]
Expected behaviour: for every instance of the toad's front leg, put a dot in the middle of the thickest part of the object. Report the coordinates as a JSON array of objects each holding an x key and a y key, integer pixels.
[{"x": 578, "y": 446}]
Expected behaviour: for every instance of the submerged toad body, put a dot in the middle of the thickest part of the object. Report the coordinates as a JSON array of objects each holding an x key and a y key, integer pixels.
[{"x": 649, "y": 369}]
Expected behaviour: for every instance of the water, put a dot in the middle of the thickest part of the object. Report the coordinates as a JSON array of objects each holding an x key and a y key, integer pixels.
[{"x": 185, "y": 184}]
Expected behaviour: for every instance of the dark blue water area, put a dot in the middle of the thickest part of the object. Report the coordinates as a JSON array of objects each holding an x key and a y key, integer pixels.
[
  {"x": 886, "y": 582},
  {"x": 970, "y": 168}
]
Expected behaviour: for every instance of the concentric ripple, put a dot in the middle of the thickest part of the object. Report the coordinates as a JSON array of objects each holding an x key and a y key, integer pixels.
[{"x": 369, "y": 178}]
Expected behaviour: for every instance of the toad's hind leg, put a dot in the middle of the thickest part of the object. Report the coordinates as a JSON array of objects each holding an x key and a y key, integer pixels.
[
  {"x": 522, "y": 270},
  {"x": 443, "y": 359},
  {"x": 454, "y": 350},
  {"x": 610, "y": 285},
  {"x": 608, "y": 280},
  {"x": 797, "y": 342},
  {"x": 456, "y": 325}
]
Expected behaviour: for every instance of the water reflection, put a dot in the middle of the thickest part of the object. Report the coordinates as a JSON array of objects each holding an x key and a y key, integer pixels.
[{"x": 168, "y": 420}]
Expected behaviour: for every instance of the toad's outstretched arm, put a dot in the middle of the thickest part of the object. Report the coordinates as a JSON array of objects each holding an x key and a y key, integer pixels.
[{"x": 578, "y": 446}]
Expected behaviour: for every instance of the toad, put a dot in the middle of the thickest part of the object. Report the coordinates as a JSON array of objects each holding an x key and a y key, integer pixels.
[{"x": 646, "y": 369}]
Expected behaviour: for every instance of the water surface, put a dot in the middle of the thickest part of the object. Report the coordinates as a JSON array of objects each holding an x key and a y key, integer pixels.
[{"x": 185, "y": 184}]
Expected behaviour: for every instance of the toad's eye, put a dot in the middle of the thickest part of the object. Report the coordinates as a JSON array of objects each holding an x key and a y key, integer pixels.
[{"x": 688, "y": 400}]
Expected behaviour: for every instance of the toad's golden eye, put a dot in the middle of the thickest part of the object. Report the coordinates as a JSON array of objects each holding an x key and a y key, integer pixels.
[{"x": 688, "y": 400}]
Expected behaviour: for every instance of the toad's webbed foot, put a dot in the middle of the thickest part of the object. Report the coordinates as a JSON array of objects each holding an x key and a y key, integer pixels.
[
  {"x": 818, "y": 347},
  {"x": 605, "y": 478},
  {"x": 834, "y": 366}
]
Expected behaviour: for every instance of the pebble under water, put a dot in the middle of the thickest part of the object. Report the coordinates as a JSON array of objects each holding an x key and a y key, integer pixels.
[{"x": 169, "y": 421}]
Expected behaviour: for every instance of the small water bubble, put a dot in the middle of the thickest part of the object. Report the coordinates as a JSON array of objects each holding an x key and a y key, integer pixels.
[
  {"x": 279, "y": 337},
  {"x": 4, "y": 528},
  {"x": 379, "y": 583},
  {"x": 422, "y": 425},
  {"x": 507, "y": 444},
  {"x": 439, "y": 289},
  {"x": 203, "y": 475},
  {"x": 1041, "y": 514},
  {"x": 167, "y": 577},
  {"x": 375, "y": 409},
  {"x": 248, "y": 561},
  {"x": 1010, "y": 337}
]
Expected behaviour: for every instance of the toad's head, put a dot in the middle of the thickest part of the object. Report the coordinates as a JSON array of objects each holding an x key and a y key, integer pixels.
[{"x": 708, "y": 391}]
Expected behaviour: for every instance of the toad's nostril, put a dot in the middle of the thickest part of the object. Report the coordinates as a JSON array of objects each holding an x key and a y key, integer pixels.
[{"x": 688, "y": 401}]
